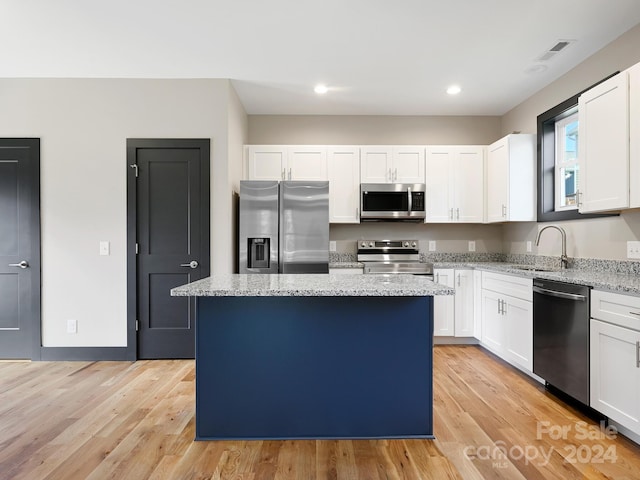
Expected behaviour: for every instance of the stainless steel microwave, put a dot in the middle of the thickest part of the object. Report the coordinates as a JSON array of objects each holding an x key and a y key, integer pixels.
[{"x": 392, "y": 201}]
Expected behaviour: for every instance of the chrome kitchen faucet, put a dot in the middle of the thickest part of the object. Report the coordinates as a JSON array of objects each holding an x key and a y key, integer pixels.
[{"x": 564, "y": 260}]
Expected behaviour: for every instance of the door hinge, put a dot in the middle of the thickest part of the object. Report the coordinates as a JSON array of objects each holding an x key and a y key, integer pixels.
[
  {"x": 137, "y": 325},
  {"x": 137, "y": 248},
  {"x": 135, "y": 168}
]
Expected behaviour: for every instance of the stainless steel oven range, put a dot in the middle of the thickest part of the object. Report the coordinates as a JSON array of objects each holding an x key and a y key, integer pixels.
[{"x": 392, "y": 257}]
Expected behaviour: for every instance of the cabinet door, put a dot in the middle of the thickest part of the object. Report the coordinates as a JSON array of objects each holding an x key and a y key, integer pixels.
[
  {"x": 615, "y": 373},
  {"x": 498, "y": 181},
  {"x": 408, "y": 164},
  {"x": 603, "y": 141},
  {"x": 344, "y": 184},
  {"x": 492, "y": 322},
  {"x": 266, "y": 162},
  {"x": 518, "y": 327},
  {"x": 464, "y": 306},
  {"x": 477, "y": 304},
  {"x": 468, "y": 181},
  {"x": 375, "y": 164},
  {"x": 444, "y": 305},
  {"x": 307, "y": 163},
  {"x": 634, "y": 130},
  {"x": 439, "y": 184}
]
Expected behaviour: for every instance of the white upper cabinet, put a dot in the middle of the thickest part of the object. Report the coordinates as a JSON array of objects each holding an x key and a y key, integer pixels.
[
  {"x": 344, "y": 184},
  {"x": 603, "y": 148},
  {"x": 455, "y": 184},
  {"x": 266, "y": 162},
  {"x": 386, "y": 164},
  {"x": 634, "y": 136},
  {"x": 279, "y": 162},
  {"x": 511, "y": 179},
  {"x": 308, "y": 163}
]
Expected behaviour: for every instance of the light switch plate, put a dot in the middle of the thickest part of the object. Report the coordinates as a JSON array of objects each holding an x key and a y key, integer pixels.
[
  {"x": 72, "y": 326},
  {"x": 332, "y": 245},
  {"x": 104, "y": 248},
  {"x": 432, "y": 245},
  {"x": 633, "y": 249},
  {"x": 472, "y": 245}
]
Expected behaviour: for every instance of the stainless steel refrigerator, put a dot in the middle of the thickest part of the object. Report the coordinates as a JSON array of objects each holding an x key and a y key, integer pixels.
[{"x": 283, "y": 227}]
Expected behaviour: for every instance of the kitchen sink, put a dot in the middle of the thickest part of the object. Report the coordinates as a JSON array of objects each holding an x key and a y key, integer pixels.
[{"x": 534, "y": 268}]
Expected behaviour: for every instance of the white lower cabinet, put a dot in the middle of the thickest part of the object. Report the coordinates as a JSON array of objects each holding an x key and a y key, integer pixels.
[
  {"x": 507, "y": 318},
  {"x": 444, "y": 305},
  {"x": 615, "y": 357},
  {"x": 463, "y": 304},
  {"x": 454, "y": 315}
]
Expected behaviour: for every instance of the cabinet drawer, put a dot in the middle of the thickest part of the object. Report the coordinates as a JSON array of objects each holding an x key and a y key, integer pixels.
[
  {"x": 513, "y": 286},
  {"x": 616, "y": 308}
]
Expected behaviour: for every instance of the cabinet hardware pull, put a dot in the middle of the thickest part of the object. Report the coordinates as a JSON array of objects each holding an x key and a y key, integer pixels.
[
  {"x": 390, "y": 176},
  {"x": 504, "y": 211},
  {"x": 635, "y": 313},
  {"x": 578, "y": 193},
  {"x": 458, "y": 279},
  {"x": 457, "y": 214},
  {"x": 289, "y": 174},
  {"x": 284, "y": 170},
  {"x": 451, "y": 213},
  {"x": 395, "y": 175},
  {"x": 499, "y": 307}
]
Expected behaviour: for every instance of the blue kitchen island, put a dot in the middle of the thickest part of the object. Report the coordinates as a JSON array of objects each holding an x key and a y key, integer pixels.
[{"x": 313, "y": 356}]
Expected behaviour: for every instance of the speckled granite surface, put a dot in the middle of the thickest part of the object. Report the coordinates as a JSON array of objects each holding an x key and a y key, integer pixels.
[
  {"x": 345, "y": 265},
  {"x": 600, "y": 280},
  {"x": 311, "y": 285}
]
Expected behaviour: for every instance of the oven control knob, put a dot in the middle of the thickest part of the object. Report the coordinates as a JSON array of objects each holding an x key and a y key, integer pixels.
[
  {"x": 370, "y": 244},
  {"x": 414, "y": 245},
  {"x": 364, "y": 244},
  {"x": 406, "y": 244}
]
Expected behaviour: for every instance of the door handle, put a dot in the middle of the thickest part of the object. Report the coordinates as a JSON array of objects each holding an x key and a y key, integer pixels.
[
  {"x": 22, "y": 264},
  {"x": 191, "y": 264}
]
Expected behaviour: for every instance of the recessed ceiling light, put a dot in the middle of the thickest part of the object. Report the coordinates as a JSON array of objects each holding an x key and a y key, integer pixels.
[
  {"x": 454, "y": 90},
  {"x": 321, "y": 89}
]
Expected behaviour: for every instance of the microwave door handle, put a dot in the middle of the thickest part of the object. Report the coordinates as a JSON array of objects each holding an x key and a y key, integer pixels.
[{"x": 409, "y": 197}]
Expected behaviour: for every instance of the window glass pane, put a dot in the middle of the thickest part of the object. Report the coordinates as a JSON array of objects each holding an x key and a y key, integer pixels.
[
  {"x": 570, "y": 153},
  {"x": 569, "y": 186}
]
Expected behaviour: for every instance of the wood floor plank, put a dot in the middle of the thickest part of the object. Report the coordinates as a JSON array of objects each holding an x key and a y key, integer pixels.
[{"x": 98, "y": 420}]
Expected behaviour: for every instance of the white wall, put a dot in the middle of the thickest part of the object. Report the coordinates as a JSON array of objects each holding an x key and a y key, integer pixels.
[
  {"x": 83, "y": 125},
  {"x": 598, "y": 238},
  {"x": 372, "y": 130}
]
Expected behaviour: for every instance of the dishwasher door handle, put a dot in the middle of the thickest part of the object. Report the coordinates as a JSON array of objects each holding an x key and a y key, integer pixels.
[{"x": 555, "y": 293}]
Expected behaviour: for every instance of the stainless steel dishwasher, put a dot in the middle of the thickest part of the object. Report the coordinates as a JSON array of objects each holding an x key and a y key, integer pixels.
[{"x": 561, "y": 336}]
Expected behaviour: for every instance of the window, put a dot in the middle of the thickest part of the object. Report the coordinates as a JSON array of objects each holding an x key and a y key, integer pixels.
[
  {"x": 566, "y": 172},
  {"x": 558, "y": 163}
]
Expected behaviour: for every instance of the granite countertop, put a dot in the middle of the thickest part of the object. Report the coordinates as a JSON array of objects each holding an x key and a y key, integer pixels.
[
  {"x": 600, "y": 280},
  {"x": 346, "y": 265},
  {"x": 311, "y": 285}
]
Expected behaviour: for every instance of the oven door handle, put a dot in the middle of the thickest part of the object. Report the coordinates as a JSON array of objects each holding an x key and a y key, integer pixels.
[{"x": 555, "y": 293}]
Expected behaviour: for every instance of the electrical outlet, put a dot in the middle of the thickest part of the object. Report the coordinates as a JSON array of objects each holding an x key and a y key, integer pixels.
[
  {"x": 332, "y": 246},
  {"x": 104, "y": 248},
  {"x": 432, "y": 245},
  {"x": 529, "y": 246},
  {"x": 472, "y": 245},
  {"x": 72, "y": 326},
  {"x": 633, "y": 249}
]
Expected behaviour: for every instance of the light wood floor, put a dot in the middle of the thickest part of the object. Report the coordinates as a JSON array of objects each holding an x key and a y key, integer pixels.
[{"x": 78, "y": 420}]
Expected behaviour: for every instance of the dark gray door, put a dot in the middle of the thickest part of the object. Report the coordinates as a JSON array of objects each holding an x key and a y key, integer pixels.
[
  {"x": 172, "y": 233},
  {"x": 19, "y": 248}
]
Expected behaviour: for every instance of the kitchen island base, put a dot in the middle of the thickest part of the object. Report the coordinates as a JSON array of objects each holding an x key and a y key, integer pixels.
[{"x": 314, "y": 367}]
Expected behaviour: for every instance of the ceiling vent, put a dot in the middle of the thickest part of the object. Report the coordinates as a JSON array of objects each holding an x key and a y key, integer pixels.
[{"x": 553, "y": 51}]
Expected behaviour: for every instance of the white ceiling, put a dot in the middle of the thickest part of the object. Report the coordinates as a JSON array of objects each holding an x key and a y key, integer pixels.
[{"x": 378, "y": 57}]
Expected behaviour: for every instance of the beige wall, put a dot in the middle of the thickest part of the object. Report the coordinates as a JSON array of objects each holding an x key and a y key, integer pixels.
[
  {"x": 83, "y": 126},
  {"x": 372, "y": 130},
  {"x": 598, "y": 238}
]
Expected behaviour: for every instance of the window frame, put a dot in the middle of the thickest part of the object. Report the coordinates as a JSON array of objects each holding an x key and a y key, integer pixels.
[
  {"x": 560, "y": 142},
  {"x": 546, "y": 154}
]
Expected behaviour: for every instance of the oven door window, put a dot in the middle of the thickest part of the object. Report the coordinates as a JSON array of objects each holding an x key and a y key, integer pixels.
[{"x": 385, "y": 202}]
